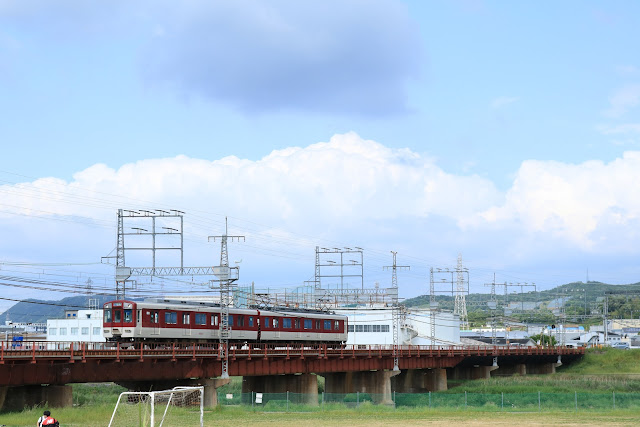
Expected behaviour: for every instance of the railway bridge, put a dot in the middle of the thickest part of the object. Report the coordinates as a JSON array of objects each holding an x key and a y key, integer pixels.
[{"x": 37, "y": 372}]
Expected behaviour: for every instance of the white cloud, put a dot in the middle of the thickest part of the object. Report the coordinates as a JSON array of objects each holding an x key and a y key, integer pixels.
[
  {"x": 623, "y": 100},
  {"x": 343, "y": 179},
  {"x": 349, "y": 189},
  {"x": 503, "y": 101},
  {"x": 573, "y": 202}
]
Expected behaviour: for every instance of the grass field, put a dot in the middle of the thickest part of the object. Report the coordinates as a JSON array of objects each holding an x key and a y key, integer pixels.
[{"x": 369, "y": 416}]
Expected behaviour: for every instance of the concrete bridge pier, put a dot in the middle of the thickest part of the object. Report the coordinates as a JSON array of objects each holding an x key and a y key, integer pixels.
[
  {"x": 420, "y": 380},
  {"x": 18, "y": 398},
  {"x": 376, "y": 383},
  {"x": 476, "y": 372},
  {"x": 508, "y": 370},
  {"x": 542, "y": 368},
  {"x": 304, "y": 385},
  {"x": 210, "y": 385}
]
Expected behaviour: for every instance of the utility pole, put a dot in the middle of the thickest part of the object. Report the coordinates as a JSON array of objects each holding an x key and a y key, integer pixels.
[
  {"x": 396, "y": 308},
  {"x": 225, "y": 279},
  {"x": 460, "y": 307}
]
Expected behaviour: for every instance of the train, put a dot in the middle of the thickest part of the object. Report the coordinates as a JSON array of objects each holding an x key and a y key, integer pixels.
[{"x": 188, "y": 321}]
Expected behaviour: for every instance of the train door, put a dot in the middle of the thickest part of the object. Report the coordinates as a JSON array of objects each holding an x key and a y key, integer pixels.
[
  {"x": 155, "y": 322},
  {"x": 276, "y": 327},
  {"x": 296, "y": 325},
  {"x": 186, "y": 324}
]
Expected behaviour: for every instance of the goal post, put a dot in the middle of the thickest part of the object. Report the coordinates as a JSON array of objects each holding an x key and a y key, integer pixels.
[{"x": 180, "y": 406}]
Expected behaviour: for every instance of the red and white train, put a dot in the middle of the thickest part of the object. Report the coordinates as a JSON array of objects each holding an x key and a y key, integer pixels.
[{"x": 165, "y": 320}]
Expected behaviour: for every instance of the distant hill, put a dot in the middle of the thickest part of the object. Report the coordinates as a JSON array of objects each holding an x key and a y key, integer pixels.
[
  {"x": 594, "y": 290},
  {"x": 579, "y": 302},
  {"x": 38, "y": 311}
]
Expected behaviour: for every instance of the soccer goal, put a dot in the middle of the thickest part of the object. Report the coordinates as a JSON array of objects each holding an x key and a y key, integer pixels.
[{"x": 180, "y": 406}]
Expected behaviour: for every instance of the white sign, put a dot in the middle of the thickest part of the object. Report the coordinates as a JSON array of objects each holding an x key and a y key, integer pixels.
[
  {"x": 229, "y": 396},
  {"x": 221, "y": 272},
  {"x": 258, "y": 397}
]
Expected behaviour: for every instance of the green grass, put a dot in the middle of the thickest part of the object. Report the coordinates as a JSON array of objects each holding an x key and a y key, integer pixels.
[
  {"x": 366, "y": 415},
  {"x": 610, "y": 361}
]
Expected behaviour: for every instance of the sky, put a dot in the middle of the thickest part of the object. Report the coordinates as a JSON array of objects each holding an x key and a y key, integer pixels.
[{"x": 507, "y": 132}]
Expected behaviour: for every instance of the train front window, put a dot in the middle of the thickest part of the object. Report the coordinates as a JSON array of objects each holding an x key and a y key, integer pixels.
[
  {"x": 128, "y": 316},
  {"x": 107, "y": 316},
  {"x": 117, "y": 316}
]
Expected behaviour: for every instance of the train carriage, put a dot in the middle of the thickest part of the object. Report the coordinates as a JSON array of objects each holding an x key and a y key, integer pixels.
[{"x": 165, "y": 320}]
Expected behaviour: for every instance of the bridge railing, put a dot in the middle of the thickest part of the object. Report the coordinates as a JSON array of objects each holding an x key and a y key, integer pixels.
[{"x": 34, "y": 350}]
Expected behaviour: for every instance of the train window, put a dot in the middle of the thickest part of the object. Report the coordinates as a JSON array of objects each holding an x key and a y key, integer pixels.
[
  {"x": 185, "y": 319},
  {"x": 240, "y": 320},
  {"x": 350, "y": 328},
  {"x": 154, "y": 317},
  {"x": 317, "y": 325},
  {"x": 336, "y": 325},
  {"x": 251, "y": 321},
  {"x": 128, "y": 316},
  {"x": 200, "y": 318},
  {"x": 286, "y": 323},
  {"x": 170, "y": 317},
  {"x": 296, "y": 323},
  {"x": 107, "y": 316},
  {"x": 214, "y": 319},
  {"x": 327, "y": 325},
  {"x": 308, "y": 324},
  {"x": 230, "y": 320},
  {"x": 117, "y": 316},
  {"x": 275, "y": 323},
  {"x": 266, "y": 322}
]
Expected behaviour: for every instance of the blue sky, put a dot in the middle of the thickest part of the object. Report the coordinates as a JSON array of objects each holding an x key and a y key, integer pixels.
[{"x": 506, "y": 131}]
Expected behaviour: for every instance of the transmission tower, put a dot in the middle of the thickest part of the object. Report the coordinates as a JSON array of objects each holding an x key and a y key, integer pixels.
[
  {"x": 225, "y": 278},
  {"x": 493, "y": 305},
  {"x": 122, "y": 271},
  {"x": 120, "y": 293},
  {"x": 460, "y": 307},
  {"x": 396, "y": 309}
]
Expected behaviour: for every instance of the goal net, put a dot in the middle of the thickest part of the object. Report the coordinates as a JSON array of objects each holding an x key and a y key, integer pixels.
[{"x": 180, "y": 406}]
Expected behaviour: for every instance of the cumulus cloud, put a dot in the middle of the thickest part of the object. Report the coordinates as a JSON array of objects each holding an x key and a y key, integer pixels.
[
  {"x": 579, "y": 203},
  {"x": 591, "y": 206},
  {"x": 349, "y": 190},
  {"x": 343, "y": 179}
]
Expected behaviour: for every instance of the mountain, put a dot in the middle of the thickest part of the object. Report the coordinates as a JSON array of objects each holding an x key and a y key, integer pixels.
[
  {"x": 38, "y": 311},
  {"x": 579, "y": 302}
]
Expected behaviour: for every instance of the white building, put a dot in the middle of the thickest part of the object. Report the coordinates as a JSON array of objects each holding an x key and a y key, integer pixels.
[
  {"x": 77, "y": 325},
  {"x": 374, "y": 326}
]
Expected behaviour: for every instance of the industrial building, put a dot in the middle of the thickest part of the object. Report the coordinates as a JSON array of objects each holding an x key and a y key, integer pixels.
[
  {"x": 374, "y": 326},
  {"x": 76, "y": 325}
]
